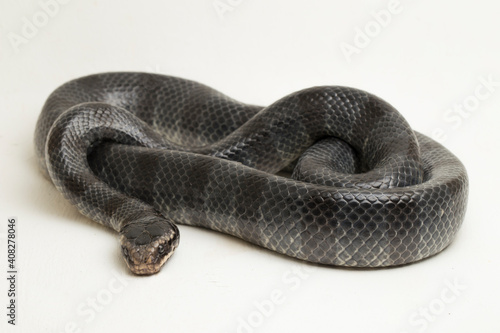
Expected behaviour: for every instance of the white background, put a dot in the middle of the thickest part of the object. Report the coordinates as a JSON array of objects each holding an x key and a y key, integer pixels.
[{"x": 428, "y": 57}]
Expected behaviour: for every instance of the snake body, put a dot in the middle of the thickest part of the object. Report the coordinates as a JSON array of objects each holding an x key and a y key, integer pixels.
[{"x": 140, "y": 152}]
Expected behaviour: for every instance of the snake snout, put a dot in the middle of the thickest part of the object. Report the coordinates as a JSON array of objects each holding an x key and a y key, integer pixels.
[{"x": 147, "y": 257}]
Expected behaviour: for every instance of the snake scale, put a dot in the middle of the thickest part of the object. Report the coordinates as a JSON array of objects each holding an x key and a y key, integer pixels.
[{"x": 331, "y": 175}]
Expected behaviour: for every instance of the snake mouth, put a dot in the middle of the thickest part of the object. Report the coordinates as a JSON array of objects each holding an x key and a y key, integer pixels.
[
  {"x": 148, "y": 259},
  {"x": 139, "y": 268}
]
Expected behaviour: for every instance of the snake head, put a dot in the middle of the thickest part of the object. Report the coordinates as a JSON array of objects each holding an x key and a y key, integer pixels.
[{"x": 148, "y": 243}]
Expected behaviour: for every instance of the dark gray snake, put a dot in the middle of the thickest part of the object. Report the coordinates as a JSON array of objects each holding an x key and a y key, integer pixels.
[{"x": 138, "y": 152}]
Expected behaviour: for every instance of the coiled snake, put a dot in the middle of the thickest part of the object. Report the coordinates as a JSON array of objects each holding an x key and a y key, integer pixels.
[{"x": 138, "y": 152}]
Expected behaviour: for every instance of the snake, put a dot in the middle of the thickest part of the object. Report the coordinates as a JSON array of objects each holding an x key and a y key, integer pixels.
[{"x": 330, "y": 175}]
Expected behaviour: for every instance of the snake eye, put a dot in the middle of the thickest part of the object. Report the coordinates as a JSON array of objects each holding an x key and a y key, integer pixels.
[{"x": 161, "y": 249}]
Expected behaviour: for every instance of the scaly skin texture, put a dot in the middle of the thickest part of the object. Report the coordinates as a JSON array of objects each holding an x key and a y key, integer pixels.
[{"x": 138, "y": 152}]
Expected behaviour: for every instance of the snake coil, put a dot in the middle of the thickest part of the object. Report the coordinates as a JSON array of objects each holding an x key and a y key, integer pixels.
[{"x": 138, "y": 152}]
